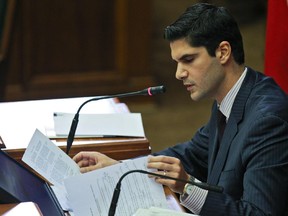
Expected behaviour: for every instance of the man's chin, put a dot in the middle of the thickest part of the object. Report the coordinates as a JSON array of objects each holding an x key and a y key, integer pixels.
[{"x": 195, "y": 97}]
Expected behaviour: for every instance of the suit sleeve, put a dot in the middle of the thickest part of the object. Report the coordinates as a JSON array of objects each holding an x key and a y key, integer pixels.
[{"x": 193, "y": 154}]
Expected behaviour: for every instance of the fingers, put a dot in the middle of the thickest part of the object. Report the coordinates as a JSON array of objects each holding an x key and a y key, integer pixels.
[
  {"x": 164, "y": 163},
  {"x": 88, "y": 161},
  {"x": 162, "y": 174},
  {"x": 162, "y": 158},
  {"x": 86, "y": 169},
  {"x": 83, "y": 156},
  {"x": 174, "y": 184},
  {"x": 165, "y": 181},
  {"x": 168, "y": 166},
  {"x": 165, "y": 166}
]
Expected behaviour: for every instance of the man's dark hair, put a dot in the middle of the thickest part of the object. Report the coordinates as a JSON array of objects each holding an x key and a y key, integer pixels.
[{"x": 207, "y": 25}]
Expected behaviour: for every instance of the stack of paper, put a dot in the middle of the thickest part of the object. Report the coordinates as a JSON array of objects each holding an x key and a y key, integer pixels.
[
  {"x": 91, "y": 193},
  {"x": 91, "y": 125}
]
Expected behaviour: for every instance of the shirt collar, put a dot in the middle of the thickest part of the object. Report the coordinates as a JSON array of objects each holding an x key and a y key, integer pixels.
[{"x": 226, "y": 104}]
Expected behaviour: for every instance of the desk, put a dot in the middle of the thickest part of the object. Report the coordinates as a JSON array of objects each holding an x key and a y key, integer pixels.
[
  {"x": 15, "y": 209},
  {"x": 6, "y": 207},
  {"x": 39, "y": 114},
  {"x": 118, "y": 148}
]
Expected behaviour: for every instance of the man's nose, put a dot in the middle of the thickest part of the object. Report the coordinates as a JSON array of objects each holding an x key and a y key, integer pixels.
[{"x": 181, "y": 73}]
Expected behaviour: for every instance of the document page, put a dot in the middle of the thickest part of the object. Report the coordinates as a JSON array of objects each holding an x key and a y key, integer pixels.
[
  {"x": 109, "y": 124},
  {"x": 49, "y": 160},
  {"x": 91, "y": 193}
]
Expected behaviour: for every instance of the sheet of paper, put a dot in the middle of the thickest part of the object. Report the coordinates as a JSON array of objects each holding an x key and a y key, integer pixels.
[
  {"x": 112, "y": 124},
  {"x": 91, "y": 193},
  {"x": 49, "y": 160}
]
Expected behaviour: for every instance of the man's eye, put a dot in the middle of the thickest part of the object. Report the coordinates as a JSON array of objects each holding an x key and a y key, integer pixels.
[{"x": 188, "y": 60}]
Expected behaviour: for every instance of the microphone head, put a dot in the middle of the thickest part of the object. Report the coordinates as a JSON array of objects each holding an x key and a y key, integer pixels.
[{"x": 156, "y": 90}]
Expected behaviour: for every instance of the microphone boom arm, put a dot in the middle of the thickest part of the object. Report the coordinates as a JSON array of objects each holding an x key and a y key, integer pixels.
[{"x": 148, "y": 91}]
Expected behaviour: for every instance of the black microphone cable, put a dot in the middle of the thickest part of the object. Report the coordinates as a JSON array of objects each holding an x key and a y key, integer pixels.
[{"x": 117, "y": 189}]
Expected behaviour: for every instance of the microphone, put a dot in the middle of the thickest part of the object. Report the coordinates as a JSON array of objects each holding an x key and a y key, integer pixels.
[
  {"x": 117, "y": 189},
  {"x": 148, "y": 91}
]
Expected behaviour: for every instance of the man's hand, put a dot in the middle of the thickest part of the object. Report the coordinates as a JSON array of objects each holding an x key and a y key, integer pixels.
[
  {"x": 88, "y": 161},
  {"x": 169, "y": 166}
]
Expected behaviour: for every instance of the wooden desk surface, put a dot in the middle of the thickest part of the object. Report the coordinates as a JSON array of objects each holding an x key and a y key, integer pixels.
[
  {"x": 118, "y": 148},
  {"x": 6, "y": 207},
  {"x": 16, "y": 209}
]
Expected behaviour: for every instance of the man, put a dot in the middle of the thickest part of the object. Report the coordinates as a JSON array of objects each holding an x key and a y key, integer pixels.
[{"x": 250, "y": 161}]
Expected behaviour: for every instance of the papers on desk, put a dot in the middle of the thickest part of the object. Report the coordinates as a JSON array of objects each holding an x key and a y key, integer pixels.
[
  {"x": 52, "y": 163},
  {"x": 20, "y": 119},
  {"x": 112, "y": 124},
  {"x": 91, "y": 193},
  {"x": 49, "y": 160}
]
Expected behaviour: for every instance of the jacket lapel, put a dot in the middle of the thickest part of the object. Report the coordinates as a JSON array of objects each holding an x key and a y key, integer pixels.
[{"x": 217, "y": 159}]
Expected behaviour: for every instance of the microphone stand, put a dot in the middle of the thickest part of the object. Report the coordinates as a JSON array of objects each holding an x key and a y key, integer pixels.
[
  {"x": 117, "y": 189},
  {"x": 149, "y": 91}
]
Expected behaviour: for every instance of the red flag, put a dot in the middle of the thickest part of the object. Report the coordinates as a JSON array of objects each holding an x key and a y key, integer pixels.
[{"x": 276, "y": 52}]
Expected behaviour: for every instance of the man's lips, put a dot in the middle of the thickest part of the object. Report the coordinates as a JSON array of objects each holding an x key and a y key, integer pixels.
[{"x": 189, "y": 86}]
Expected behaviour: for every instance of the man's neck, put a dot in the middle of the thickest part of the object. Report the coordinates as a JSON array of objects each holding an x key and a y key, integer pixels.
[{"x": 233, "y": 73}]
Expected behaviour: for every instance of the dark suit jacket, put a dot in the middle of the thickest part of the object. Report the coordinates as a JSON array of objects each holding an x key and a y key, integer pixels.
[{"x": 252, "y": 161}]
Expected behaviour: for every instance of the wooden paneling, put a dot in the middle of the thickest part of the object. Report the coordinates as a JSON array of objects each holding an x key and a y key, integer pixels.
[
  {"x": 7, "y": 8},
  {"x": 73, "y": 48}
]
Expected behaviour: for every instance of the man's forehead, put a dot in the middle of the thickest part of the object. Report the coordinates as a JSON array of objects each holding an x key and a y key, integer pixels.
[{"x": 181, "y": 47}]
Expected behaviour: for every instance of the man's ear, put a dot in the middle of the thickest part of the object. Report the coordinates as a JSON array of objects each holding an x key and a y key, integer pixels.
[{"x": 223, "y": 52}]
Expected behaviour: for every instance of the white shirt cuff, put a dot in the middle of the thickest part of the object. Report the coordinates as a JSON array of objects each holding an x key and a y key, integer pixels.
[{"x": 196, "y": 199}]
